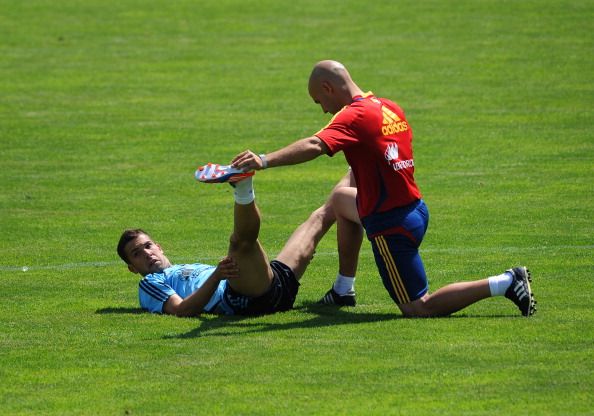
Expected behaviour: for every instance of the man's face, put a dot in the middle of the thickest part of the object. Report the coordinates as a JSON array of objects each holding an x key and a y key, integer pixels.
[
  {"x": 324, "y": 95},
  {"x": 145, "y": 256}
]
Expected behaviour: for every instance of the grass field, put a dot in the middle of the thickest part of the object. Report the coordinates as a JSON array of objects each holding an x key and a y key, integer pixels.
[{"x": 107, "y": 107}]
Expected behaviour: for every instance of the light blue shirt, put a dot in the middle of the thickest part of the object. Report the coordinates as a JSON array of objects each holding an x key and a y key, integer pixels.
[{"x": 181, "y": 279}]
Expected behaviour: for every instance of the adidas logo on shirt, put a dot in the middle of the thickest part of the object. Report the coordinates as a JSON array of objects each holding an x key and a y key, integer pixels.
[{"x": 391, "y": 123}]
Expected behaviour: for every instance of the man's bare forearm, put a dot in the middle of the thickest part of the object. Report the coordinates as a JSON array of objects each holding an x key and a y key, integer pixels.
[
  {"x": 194, "y": 304},
  {"x": 300, "y": 151},
  {"x": 297, "y": 152}
]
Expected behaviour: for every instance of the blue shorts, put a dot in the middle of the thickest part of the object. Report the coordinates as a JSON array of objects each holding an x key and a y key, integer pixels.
[{"x": 395, "y": 238}]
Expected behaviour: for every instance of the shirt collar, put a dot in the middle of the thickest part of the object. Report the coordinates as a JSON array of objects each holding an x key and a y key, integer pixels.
[{"x": 363, "y": 96}]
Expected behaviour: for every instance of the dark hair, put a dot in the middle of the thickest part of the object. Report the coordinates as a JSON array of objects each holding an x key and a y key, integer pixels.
[{"x": 126, "y": 237}]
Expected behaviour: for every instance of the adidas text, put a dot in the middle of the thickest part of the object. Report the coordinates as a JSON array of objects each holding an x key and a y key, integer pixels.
[{"x": 393, "y": 128}]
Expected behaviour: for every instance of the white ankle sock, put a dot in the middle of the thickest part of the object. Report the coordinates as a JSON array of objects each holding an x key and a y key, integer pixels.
[
  {"x": 344, "y": 284},
  {"x": 244, "y": 191},
  {"x": 499, "y": 284}
]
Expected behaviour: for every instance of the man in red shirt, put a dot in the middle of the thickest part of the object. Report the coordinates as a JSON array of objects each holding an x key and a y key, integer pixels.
[{"x": 376, "y": 139}]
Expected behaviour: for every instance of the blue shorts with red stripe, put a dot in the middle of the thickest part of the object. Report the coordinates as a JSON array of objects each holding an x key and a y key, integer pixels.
[{"x": 395, "y": 238}]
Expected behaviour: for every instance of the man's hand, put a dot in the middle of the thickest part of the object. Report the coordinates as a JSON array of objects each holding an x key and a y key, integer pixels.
[
  {"x": 226, "y": 269},
  {"x": 247, "y": 161}
]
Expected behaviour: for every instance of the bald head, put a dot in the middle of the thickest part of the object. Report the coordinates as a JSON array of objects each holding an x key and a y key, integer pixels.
[
  {"x": 331, "y": 86},
  {"x": 332, "y": 71}
]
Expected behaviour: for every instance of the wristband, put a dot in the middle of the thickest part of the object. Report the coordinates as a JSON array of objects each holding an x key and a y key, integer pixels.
[{"x": 264, "y": 161}]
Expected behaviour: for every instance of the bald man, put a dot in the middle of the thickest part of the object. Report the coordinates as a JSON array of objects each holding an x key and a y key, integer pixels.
[{"x": 383, "y": 198}]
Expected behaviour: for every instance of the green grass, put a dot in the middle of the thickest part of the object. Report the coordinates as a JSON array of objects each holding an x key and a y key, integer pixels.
[{"x": 106, "y": 108}]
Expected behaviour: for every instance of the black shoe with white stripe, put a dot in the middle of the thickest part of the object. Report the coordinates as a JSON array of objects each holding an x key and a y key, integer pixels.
[
  {"x": 333, "y": 298},
  {"x": 519, "y": 292}
]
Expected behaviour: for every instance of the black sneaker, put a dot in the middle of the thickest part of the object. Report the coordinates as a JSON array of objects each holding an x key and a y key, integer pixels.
[
  {"x": 333, "y": 298},
  {"x": 519, "y": 291}
]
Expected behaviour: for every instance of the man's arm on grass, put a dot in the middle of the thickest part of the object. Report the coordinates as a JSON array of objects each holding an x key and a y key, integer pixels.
[{"x": 194, "y": 304}]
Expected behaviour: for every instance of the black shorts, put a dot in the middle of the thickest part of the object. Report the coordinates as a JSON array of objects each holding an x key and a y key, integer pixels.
[{"x": 280, "y": 297}]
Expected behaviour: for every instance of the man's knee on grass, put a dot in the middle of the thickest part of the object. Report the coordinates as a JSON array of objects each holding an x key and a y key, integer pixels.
[{"x": 420, "y": 308}]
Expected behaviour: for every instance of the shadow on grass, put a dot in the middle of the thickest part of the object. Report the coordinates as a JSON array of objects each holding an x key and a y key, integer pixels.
[
  {"x": 120, "y": 310},
  {"x": 322, "y": 316},
  {"x": 223, "y": 326}
]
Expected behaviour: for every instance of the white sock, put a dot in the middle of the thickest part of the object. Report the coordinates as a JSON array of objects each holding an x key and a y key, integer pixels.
[
  {"x": 499, "y": 284},
  {"x": 244, "y": 191},
  {"x": 344, "y": 284}
]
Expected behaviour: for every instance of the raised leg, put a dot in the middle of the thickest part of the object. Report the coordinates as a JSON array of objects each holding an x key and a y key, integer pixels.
[{"x": 246, "y": 250}]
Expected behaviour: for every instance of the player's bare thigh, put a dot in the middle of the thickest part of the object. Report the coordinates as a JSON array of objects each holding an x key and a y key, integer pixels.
[
  {"x": 298, "y": 251},
  {"x": 345, "y": 205},
  {"x": 254, "y": 268}
]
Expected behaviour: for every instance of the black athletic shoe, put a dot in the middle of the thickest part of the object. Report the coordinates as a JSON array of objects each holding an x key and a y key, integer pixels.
[
  {"x": 333, "y": 298},
  {"x": 519, "y": 292}
]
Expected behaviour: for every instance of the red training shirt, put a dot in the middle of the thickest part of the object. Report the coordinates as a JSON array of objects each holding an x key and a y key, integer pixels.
[{"x": 377, "y": 142}]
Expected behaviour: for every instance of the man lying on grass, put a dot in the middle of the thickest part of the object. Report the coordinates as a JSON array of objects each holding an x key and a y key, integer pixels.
[{"x": 244, "y": 282}]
